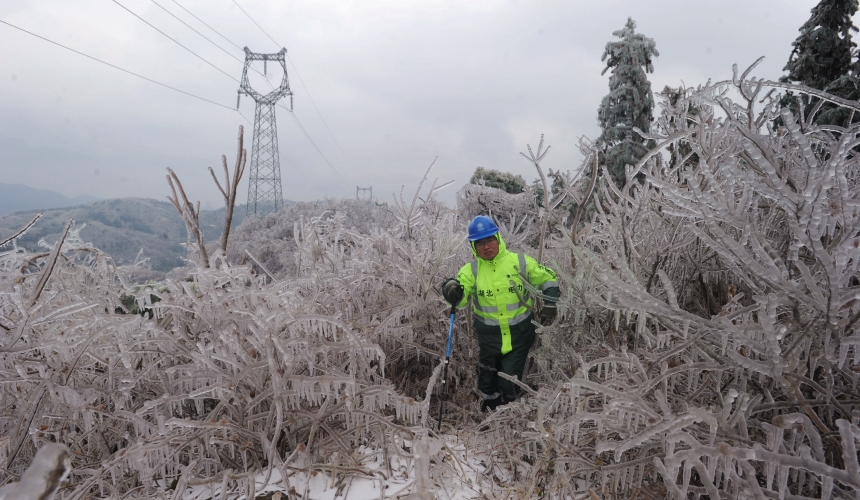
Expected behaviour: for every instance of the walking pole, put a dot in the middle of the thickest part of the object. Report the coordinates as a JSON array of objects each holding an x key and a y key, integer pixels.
[{"x": 444, "y": 395}]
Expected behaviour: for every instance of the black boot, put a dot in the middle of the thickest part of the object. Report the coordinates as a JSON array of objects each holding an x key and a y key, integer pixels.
[{"x": 491, "y": 404}]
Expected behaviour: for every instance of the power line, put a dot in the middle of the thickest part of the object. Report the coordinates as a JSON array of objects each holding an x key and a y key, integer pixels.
[
  {"x": 116, "y": 67},
  {"x": 246, "y": 118},
  {"x": 176, "y": 42},
  {"x": 204, "y": 36},
  {"x": 306, "y": 90},
  {"x": 314, "y": 144},
  {"x": 161, "y": 84},
  {"x": 194, "y": 30},
  {"x": 296, "y": 118},
  {"x": 318, "y": 110},
  {"x": 204, "y": 24},
  {"x": 255, "y": 22},
  {"x": 292, "y": 114},
  {"x": 312, "y": 183}
]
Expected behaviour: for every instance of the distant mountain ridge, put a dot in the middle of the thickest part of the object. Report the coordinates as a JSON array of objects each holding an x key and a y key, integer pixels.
[
  {"x": 122, "y": 227},
  {"x": 18, "y": 197}
]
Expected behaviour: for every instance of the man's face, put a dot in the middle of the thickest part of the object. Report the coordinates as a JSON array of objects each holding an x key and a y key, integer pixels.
[{"x": 487, "y": 248}]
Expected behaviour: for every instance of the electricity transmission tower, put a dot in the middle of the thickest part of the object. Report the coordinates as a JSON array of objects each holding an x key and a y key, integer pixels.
[
  {"x": 264, "y": 188},
  {"x": 368, "y": 190}
]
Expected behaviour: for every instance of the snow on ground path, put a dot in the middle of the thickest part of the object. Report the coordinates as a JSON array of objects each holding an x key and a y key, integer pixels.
[{"x": 453, "y": 473}]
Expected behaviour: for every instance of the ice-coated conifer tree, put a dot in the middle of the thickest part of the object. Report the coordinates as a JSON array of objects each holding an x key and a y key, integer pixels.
[
  {"x": 824, "y": 50},
  {"x": 629, "y": 103},
  {"x": 824, "y": 58}
]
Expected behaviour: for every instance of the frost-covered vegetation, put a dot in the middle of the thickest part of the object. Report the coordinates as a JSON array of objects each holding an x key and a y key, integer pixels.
[
  {"x": 707, "y": 343},
  {"x": 629, "y": 104}
]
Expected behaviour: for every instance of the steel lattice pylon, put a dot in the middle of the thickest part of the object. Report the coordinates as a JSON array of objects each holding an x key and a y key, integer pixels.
[{"x": 264, "y": 187}]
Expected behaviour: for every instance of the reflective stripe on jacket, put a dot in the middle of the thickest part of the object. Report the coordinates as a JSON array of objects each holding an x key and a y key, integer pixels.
[{"x": 500, "y": 297}]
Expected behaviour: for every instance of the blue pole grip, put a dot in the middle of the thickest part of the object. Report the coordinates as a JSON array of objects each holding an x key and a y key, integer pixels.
[{"x": 450, "y": 336}]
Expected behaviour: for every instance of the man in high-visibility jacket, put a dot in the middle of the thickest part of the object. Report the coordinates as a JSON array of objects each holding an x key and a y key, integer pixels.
[{"x": 503, "y": 307}]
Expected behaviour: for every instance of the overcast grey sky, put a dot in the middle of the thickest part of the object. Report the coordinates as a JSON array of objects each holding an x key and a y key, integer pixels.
[{"x": 397, "y": 82}]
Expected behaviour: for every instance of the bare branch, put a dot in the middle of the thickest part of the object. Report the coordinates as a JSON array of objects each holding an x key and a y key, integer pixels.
[
  {"x": 21, "y": 231},
  {"x": 189, "y": 215},
  {"x": 49, "y": 264}
]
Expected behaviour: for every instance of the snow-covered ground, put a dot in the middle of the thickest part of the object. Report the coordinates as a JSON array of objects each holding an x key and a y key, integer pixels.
[{"x": 460, "y": 475}]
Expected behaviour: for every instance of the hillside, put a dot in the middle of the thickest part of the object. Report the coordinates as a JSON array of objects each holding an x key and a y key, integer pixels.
[
  {"x": 122, "y": 227},
  {"x": 18, "y": 197}
]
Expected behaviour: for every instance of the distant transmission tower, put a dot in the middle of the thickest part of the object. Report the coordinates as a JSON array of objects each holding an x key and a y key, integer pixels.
[
  {"x": 368, "y": 190},
  {"x": 264, "y": 188}
]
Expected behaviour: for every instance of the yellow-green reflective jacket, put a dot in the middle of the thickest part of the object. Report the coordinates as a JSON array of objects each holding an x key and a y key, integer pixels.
[{"x": 499, "y": 287}]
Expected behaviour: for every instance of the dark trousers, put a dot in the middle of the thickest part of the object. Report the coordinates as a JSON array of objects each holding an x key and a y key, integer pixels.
[{"x": 512, "y": 363}]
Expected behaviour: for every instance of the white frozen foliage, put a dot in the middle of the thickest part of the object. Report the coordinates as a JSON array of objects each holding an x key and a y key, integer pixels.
[{"x": 707, "y": 344}]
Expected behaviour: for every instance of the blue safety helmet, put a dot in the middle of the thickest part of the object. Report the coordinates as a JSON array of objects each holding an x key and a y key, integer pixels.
[{"x": 482, "y": 227}]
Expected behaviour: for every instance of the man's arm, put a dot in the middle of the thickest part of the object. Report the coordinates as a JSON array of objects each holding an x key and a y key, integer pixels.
[
  {"x": 543, "y": 278},
  {"x": 467, "y": 281}
]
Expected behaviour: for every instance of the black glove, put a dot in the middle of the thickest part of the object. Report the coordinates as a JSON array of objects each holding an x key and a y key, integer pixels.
[
  {"x": 548, "y": 312},
  {"x": 452, "y": 291}
]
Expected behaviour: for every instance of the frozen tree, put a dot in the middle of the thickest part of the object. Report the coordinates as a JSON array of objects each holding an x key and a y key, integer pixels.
[
  {"x": 505, "y": 181},
  {"x": 516, "y": 214},
  {"x": 847, "y": 87},
  {"x": 191, "y": 216},
  {"x": 824, "y": 58},
  {"x": 629, "y": 104},
  {"x": 708, "y": 339},
  {"x": 229, "y": 189},
  {"x": 824, "y": 50}
]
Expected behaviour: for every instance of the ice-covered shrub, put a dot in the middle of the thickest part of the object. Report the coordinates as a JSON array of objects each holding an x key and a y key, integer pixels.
[
  {"x": 228, "y": 373},
  {"x": 709, "y": 345},
  {"x": 229, "y": 377},
  {"x": 516, "y": 214},
  {"x": 271, "y": 239}
]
